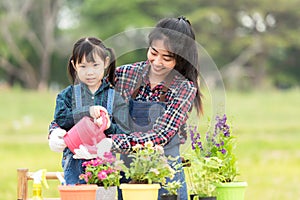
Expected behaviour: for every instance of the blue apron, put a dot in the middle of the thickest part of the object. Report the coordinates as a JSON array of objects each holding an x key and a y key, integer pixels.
[{"x": 143, "y": 116}]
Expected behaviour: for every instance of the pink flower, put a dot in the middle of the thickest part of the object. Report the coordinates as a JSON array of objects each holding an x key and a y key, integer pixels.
[
  {"x": 102, "y": 175},
  {"x": 102, "y": 171},
  {"x": 108, "y": 171}
]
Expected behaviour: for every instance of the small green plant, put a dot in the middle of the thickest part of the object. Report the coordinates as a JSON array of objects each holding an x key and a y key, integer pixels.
[
  {"x": 149, "y": 165},
  {"x": 203, "y": 174},
  {"x": 172, "y": 187}
]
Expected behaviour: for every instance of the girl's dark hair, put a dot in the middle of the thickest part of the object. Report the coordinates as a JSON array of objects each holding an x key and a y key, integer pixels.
[
  {"x": 179, "y": 38},
  {"x": 87, "y": 47}
]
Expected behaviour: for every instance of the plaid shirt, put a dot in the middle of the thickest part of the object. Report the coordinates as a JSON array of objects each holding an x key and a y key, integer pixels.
[{"x": 179, "y": 98}]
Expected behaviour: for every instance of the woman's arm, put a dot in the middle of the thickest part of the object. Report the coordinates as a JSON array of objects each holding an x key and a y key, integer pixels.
[{"x": 167, "y": 125}]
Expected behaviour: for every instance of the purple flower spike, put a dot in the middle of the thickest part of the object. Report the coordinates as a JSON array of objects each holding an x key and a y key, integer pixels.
[
  {"x": 200, "y": 145},
  {"x": 192, "y": 135},
  {"x": 223, "y": 151},
  {"x": 217, "y": 143},
  {"x": 198, "y": 136},
  {"x": 193, "y": 146}
]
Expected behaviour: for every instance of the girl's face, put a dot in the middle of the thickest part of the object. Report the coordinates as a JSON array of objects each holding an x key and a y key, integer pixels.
[
  {"x": 91, "y": 73},
  {"x": 161, "y": 60}
]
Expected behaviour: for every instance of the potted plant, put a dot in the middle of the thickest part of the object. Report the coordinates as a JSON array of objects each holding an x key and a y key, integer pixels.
[
  {"x": 172, "y": 188},
  {"x": 220, "y": 143},
  {"x": 149, "y": 168},
  {"x": 203, "y": 176},
  {"x": 105, "y": 173}
]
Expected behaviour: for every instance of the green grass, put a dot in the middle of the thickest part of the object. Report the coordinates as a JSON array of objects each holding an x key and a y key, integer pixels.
[{"x": 266, "y": 124}]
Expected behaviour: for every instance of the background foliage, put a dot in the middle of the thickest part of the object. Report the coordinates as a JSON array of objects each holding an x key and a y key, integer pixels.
[{"x": 254, "y": 43}]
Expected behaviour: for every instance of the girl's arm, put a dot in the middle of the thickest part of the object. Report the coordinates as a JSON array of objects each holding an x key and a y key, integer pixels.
[{"x": 63, "y": 114}]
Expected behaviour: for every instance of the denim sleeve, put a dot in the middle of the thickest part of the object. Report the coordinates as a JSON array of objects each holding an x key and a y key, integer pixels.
[{"x": 65, "y": 115}]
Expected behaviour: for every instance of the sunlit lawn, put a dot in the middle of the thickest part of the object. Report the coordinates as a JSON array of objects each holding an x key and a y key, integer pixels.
[
  {"x": 268, "y": 129},
  {"x": 266, "y": 124}
]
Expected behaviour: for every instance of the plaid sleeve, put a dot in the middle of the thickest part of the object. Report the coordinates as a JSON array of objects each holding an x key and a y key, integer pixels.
[{"x": 167, "y": 125}]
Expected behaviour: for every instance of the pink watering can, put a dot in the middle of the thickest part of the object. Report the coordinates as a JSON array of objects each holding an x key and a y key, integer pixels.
[{"x": 87, "y": 133}]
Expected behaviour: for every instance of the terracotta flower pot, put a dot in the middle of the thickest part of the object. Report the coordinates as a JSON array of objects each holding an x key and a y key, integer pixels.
[{"x": 78, "y": 192}]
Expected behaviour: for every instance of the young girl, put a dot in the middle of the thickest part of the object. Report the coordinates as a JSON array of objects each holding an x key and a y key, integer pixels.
[
  {"x": 91, "y": 68},
  {"x": 166, "y": 82}
]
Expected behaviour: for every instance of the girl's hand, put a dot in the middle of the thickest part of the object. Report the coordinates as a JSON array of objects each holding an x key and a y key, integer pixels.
[
  {"x": 56, "y": 140},
  {"x": 96, "y": 113}
]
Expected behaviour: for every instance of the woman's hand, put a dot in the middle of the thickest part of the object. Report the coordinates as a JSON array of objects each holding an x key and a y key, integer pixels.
[{"x": 98, "y": 112}]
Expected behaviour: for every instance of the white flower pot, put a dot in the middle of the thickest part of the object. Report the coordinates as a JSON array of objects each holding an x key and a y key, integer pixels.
[{"x": 106, "y": 194}]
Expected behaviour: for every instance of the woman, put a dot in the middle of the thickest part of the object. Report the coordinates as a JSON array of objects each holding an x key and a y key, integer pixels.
[{"x": 161, "y": 91}]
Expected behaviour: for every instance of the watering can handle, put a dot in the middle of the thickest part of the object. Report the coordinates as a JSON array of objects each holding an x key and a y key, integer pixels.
[{"x": 104, "y": 121}]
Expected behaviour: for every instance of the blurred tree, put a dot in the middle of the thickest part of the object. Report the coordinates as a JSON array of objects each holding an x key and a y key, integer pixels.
[
  {"x": 250, "y": 41},
  {"x": 28, "y": 40},
  {"x": 243, "y": 37},
  {"x": 112, "y": 17}
]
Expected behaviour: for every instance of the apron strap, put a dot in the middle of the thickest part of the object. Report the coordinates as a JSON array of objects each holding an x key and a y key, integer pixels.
[
  {"x": 139, "y": 82},
  {"x": 78, "y": 100},
  {"x": 133, "y": 96},
  {"x": 163, "y": 95},
  {"x": 110, "y": 100}
]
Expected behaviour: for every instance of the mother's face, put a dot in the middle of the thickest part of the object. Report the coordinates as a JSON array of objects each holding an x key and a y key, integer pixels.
[{"x": 161, "y": 60}]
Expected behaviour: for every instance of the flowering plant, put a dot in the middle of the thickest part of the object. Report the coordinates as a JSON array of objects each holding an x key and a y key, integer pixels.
[
  {"x": 104, "y": 171},
  {"x": 219, "y": 143},
  {"x": 149, "y": 165}
]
